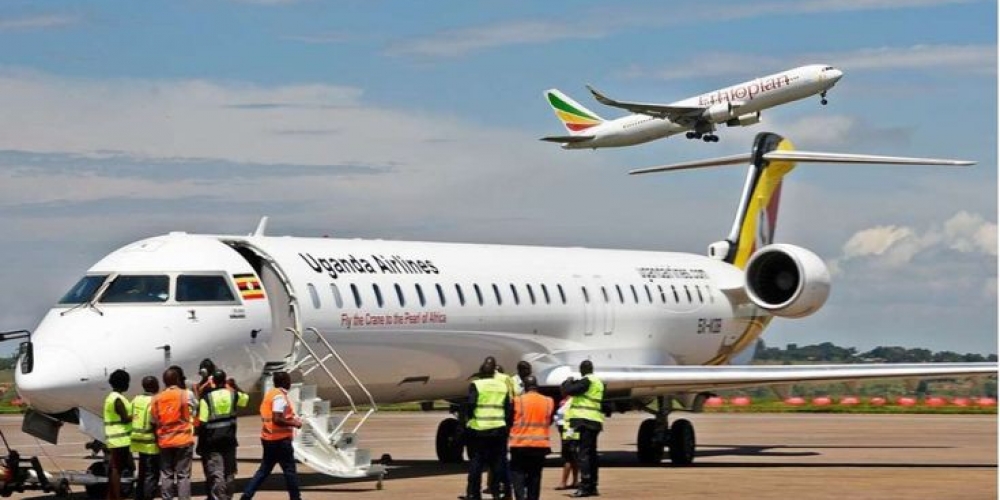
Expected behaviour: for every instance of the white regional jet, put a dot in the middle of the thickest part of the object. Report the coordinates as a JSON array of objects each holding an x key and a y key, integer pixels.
[
  {"x": 736, "y": 106},
  {"x": 413, "y": 320}
]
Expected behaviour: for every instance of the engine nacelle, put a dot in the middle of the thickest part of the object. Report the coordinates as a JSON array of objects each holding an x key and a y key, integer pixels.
[
  {"x": 787, "y": 280},
  {"x": 744, "y": 120},
  {"x": 722, "y": 112}
]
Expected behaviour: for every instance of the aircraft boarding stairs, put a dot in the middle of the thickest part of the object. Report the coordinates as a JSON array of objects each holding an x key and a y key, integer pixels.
[{"x": 328, "y": 441}]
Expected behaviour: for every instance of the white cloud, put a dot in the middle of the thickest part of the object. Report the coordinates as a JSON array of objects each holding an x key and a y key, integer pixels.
[
  {"x": 460, "y": 42},
  {"x": 967, "y": 59},
  {"x": 37, "y": 22}
]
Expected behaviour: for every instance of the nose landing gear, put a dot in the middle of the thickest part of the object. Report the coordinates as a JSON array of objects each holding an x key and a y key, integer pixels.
[
  {"x": 823, "y": 100},
  {"x": 704, "y": 137}
]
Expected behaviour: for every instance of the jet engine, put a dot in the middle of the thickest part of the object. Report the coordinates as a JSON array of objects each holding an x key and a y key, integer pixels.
[
  {"x": 787, "y": 280},
  {"x": 744, "y": 120},
  {"x": 722, "y": 112}
]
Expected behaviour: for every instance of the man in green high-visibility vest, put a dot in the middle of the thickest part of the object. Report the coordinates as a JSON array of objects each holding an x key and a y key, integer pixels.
[
  {"x": 117, "y": 430},
  {"x": 586, "y": 418},
  {"x": 147, "y": 479},
  {"x": 489, "y": 418}
]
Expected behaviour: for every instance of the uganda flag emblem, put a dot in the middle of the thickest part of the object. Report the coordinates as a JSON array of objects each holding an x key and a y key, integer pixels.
[{"x": 249, "y": 286}]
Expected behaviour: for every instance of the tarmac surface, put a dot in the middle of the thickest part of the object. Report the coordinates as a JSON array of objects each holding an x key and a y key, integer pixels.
[{"x": 786, "y": 456}]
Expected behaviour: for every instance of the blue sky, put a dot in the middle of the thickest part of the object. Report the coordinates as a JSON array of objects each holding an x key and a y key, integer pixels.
[{"x": 419, "y": 120}]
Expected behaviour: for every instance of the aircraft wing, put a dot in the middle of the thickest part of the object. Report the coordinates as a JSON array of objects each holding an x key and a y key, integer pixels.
[
  {"x": 708, "y": 378},
  {"x": 677, "y": 114},
  {"x": 567, "y": 139}
]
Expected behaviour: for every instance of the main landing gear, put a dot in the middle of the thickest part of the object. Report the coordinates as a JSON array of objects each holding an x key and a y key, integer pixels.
[
  {"x": 823, "y": 100},
  {"x": 655, "y": 435},
  {"x": 704, "y": 137},
  {"x": 450, "y": 441}
]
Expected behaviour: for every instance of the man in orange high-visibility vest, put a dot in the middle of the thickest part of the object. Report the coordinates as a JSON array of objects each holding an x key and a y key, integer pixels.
[
  {"x": 170, "y": 412},
  {"x": 279, "y": 424},
  {"x": 529, "y": 439}
]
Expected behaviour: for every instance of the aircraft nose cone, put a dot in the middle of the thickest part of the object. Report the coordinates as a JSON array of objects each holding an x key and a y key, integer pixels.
[
  {"x": 56, "y": 382},
  {"x": 835, "y": 74}
]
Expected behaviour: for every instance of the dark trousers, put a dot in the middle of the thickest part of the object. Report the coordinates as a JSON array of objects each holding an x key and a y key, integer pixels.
[
  {"x": 526, "y": 471},
  {"x": 502, "y": 483},
  {"x": 120, "y": 461},
  {"x": 276, "y": 453},
  {"x": 485, "y": 452},
  {"x": 587, "y": 458},
  {"x": 147, "y": 479}
]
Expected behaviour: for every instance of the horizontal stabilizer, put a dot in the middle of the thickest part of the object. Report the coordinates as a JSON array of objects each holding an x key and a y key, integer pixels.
[
  {"x": 803, "y": 157},
  {"x": 567, "y": 139}
]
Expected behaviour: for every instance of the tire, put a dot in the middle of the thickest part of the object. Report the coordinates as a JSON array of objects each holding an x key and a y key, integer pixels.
[
  {"x": 649, "y": 447},
  {"x": 98, "y": 490},
  {"x": 682, "y": 442},
  {"x": 448, "y": 443}
]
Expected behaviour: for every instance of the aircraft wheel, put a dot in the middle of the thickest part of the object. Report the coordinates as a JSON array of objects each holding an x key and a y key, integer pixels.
[
  {"x": 707, "y": 138},
  {"x": 449, "y": 442},
  {"x": 824, "y": 102},
  {"x": 682, "y": 442},
  {"x": 690, "y": 135},
  {"x": 649, "y": 443},
  {"x": 97, "y": 490}
]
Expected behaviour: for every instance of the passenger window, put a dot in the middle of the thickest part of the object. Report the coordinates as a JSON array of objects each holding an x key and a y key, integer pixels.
[
  {"x": 688, "y": 292},
  {"x": 378, "y": 295},
  {"x": 137, "y": 289},
  {"x": 545, "y": 293},
  {"x": 586, "y": 296},
  {"x": 711, "y": 296},
  {"x": 420, "y": 295},
  {"x": 496, "y": 291},
  {"x": 700, "y": 297},
  {"x": 531, "y": 294},
  {"x": 513, "y": 291},
  {"x": 461, "y": 295},
  {"x": 400, "y": 296},
  {"x": 440, "y": 293},
  {"x": 663, "y": 296},
  {"x": 604, "y": 292},
  {"x": 479, "y": 293},
  {"x": 621, "y": 297},
  {"x": 649, "y": 294},
  {"x": 314, "y": 295},
  {"x": 635, "y": 294},
  {"x": 337, "y": 299},
  {"x": 201, "y": 288},
  {"x": 357, "y": 295},
  {"x": 562, "y": 294},
  {"x": 83, "y": 290}
]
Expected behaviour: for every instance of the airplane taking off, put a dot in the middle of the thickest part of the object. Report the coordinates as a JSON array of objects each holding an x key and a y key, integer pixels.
[
  {"x": 736, "y": 106},
  {"x": 396, "y": 321}
]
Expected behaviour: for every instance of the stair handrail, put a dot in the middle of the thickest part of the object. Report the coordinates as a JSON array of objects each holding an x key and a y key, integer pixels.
[
  {"x": 373, "y": 407},
  {"x": 350, "y": 400}
]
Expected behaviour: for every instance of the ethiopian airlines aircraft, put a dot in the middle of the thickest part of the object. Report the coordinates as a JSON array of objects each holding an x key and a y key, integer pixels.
[
  {"x": 380, "y": 321},
  {"x": 736, "y": 106}
]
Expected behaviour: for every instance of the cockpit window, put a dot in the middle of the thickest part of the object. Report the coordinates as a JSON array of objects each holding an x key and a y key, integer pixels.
[
  {"x": 195, "y": 288},
  {"x": 138, "y": 288},
  {"x": 83, "y": 290}
]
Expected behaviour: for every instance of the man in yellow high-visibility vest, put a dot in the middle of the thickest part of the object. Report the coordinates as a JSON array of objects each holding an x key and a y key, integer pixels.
[
  {"x": 586, "y": 418},
  {"x": 489, "y": 413},
  {"x": 117, "y": 430},
  {"x": 147, "y": 479}
]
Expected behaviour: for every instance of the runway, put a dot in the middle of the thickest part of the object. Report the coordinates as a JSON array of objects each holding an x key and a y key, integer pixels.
[{"x": 760, "y": 456}]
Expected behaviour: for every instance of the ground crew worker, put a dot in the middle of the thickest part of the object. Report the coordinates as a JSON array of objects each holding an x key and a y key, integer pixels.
[
  {"x": 171, "y": 415},
  {"x": 217, "y": 435},
  {"x": 279, "y": 422},
  {"x": 503, "y": 482},
  {"x": 529, "y": 439},
  {"x": 205, "y": 370},
  {"x": 570, "y": 441},
  {"x": 489, "y": 416},
  {"x": 147, "y": 479},
  {"x": 585, "y": 417},
  {"x": 117, "y": 431},
  {"x": 523, "y": 370}
]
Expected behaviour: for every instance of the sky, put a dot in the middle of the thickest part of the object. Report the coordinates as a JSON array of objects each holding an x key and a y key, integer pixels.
[{"x": 420, "y": 121}]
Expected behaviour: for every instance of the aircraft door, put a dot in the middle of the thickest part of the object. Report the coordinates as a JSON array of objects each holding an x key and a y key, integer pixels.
[{"x": 276, "y": 344}]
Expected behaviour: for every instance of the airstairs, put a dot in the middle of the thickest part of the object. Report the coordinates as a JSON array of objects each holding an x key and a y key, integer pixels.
[{"x": 328, "y": 441}]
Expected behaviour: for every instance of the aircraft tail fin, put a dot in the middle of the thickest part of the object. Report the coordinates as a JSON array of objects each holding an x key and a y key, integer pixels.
[
  {"x": 771, "y": 159},
  {"x": 576, "y": 118}
]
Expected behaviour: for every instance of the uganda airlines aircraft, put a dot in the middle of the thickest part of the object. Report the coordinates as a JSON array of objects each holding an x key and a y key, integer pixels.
[
  {"x": 736, "y": 106},
  {"x": 392, "y": 321}
]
